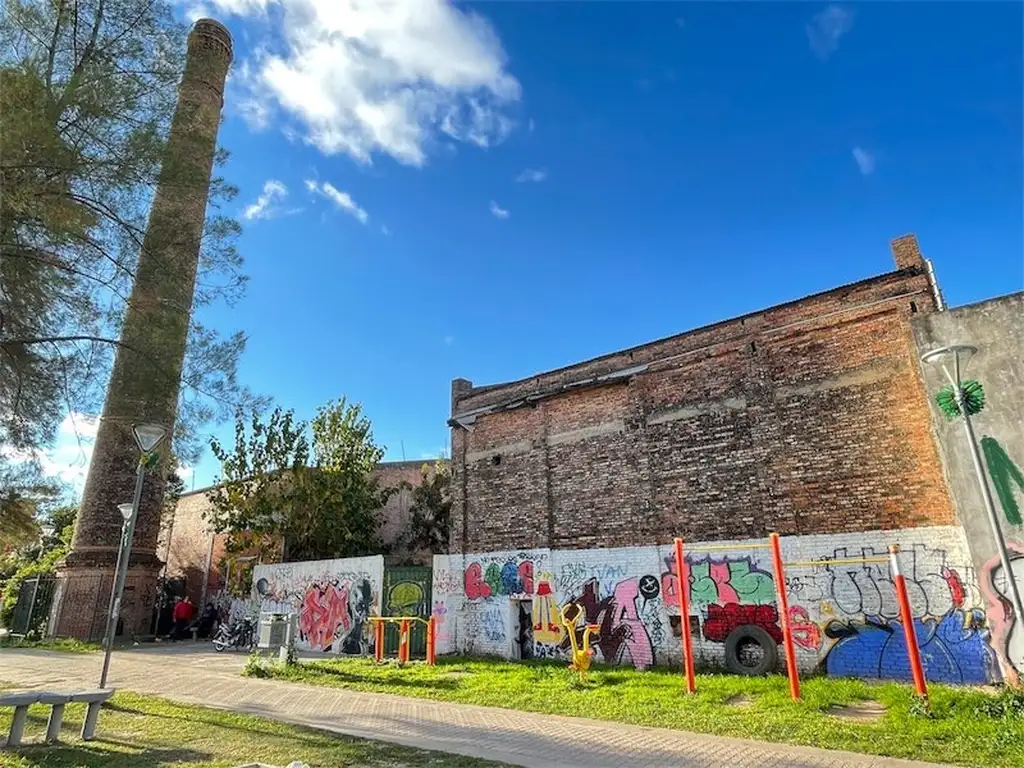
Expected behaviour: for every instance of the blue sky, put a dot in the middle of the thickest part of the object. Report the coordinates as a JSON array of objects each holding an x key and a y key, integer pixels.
[{"x": 491, "y": 190}]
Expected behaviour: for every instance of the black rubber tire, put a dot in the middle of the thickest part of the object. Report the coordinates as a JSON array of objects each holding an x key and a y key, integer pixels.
[{"x": 744, "y": 634}]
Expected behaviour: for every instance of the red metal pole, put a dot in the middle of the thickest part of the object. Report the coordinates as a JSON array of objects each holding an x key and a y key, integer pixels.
[
  {"x": 909, "y": 633},
  {"x": 683, "y": 589},
  {"x": 378, "y": 641},
  {"x": 431, "y": 657},
  {"x": 787, "y": 632},
  {"x": 403, "y": 642}
]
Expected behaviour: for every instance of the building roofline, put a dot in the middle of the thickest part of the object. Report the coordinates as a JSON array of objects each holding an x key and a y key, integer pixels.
[
  {"x": 909, "y": 272},
  {"x": 410, "y": 463}
]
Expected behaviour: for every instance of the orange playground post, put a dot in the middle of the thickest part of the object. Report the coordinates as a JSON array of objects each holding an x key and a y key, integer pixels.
[
  {"x": 683, "y": 590},
  {"x": 907, "y": 617},
  {"x": 431, "y": 641},
  {"x": 787, "y": 633},
  {"x": 403, "y": 642},
  {"x": 378, "y": 641}
]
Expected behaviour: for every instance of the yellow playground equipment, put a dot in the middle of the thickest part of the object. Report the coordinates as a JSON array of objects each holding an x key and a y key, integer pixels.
[{"x": 581, "y": 657}]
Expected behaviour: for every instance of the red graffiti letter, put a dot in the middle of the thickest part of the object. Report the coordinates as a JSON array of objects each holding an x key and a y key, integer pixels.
[
  {"x": 526, "y": 576},
  {"x": 474, "y": 584}
]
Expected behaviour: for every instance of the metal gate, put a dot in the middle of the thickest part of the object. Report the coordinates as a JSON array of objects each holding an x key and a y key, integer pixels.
[{"x": 406, "y": 593}]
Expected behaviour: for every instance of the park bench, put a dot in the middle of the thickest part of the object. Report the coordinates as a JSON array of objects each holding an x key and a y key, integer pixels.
[{"x": 22, "y": 700}]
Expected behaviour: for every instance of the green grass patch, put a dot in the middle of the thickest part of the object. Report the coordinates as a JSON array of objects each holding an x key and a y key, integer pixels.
[
  {"x": 147, "y": 732},
  {"x": 65, "y": 644},
  {"x": 964, "y": 726}
]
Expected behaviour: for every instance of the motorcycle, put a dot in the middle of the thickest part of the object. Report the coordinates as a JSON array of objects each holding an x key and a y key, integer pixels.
[{"x": 241, "y": 634}]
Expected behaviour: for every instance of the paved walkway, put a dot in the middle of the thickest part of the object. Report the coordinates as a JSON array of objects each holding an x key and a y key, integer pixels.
[{"x": 187, "y": 674}]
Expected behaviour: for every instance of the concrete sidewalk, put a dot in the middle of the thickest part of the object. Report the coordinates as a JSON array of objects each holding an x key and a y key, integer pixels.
[{"x": 508, "y": 736}]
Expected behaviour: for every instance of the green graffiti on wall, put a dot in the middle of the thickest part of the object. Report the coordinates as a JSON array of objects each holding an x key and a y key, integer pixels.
[{"x": 1004, "y": 474}]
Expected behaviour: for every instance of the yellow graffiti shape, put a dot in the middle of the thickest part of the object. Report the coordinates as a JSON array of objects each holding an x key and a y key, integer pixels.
[{"x": 546, "y": 616}]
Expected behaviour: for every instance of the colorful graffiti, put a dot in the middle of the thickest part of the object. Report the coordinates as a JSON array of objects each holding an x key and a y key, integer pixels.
[
  {"x": 1005, "y": 474},
  {"x": 720, "y": 581},
  {"x": 622, "y": 632},
  {"x": 507, "y": 579},
  {"x": 1007, "y": 630},
  {"x": 546, "y": 617},
  {"x": 405, "y": 599},
  {"x": 845, "y": 617},
  {"x": 723, "y": 619},
  {"x": 806, "y": 634},
  {"x": 333, "y": 600},
  {"x": 954, "y": 649},
  {"x": 334, "y": 616}
]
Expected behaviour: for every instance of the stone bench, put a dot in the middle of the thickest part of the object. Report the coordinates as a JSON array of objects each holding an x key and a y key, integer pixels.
[{"x": 22, "y": 700}]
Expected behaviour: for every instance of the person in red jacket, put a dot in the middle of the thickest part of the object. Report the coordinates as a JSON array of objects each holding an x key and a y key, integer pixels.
[{"x": 183, "y": 612}]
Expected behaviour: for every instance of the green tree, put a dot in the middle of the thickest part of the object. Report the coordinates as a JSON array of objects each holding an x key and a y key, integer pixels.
[
  {"x": 431, "y": 510},
  {"x": 25, "y": 498},
  {"x": 87, "y": 90},
  {"x": 317, "y": 494}
]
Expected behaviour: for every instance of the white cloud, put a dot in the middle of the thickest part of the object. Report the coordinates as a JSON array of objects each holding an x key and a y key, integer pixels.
[
  {"x": 68, "y": 459},
  {"x": 531, "y": 126},
  {"x": 533, "y": 174},
  {"x": 826, "y": 28},
  {"x": 341, "y": 199},
  {"x": 385, "y": 231},
  {"x": 360, "y": 77},
  {"x": 265, "y": 206},
  {"x": 449, "y": 340},
  {"x": 865, "y": 161},
  {"x": 498, "y": 211}
]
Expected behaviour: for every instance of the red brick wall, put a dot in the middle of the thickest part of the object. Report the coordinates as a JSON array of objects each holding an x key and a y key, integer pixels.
[{"x": 809, "y": 417}]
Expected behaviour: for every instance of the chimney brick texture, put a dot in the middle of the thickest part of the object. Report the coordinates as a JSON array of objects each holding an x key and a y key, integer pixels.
[
  {"x": 906, "y": 252},
  {"x": 146, "y": 375}
]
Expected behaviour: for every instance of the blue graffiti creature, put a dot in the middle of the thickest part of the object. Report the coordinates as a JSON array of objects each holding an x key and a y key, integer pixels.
[{"x": 954, "y": 649}]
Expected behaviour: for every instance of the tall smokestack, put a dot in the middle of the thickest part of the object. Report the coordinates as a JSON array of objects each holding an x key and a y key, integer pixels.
[{"x": 146, "y": 376}]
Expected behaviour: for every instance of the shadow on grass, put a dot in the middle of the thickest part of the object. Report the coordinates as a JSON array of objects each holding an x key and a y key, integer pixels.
[
  {"x": 214, "y": 719},
  {"x": 396, "y": 682},
  {"x": 92, "y": 754}
]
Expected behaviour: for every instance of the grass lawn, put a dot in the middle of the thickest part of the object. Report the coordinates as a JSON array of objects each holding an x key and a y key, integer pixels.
[
  {"x": 68, "y": 645},
  {"x": 146, "y": 732},
  {"x": 966, "y": 726}
]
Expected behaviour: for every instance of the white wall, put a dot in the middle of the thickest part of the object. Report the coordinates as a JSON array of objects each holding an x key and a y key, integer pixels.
[
  {"x": 333, "y": 599},
  {"x": 845, "y": 617}
]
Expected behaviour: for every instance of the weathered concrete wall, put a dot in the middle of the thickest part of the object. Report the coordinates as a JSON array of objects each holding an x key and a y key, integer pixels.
[
  {"x": 845, "y": 617},
  {"x": 996, "y": 328}
]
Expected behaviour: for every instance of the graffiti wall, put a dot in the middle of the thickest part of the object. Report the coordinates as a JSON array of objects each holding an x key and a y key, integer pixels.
[
  {"x": 334, "y": 600},
  {"x": 845, "y": 617},
  {"x": 480, "y": 602}
]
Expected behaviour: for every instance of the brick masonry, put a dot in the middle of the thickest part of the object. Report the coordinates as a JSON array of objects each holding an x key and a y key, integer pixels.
[
  {"x": 845, "y": 616},
  {"x": 190, "y": 547},
  {"x": 806, "y": 418}
]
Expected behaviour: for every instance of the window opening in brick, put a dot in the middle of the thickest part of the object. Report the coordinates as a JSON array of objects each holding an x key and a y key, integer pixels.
[
  {"x": 913, "y": 307},
  {"x": 496, "y": 459}
]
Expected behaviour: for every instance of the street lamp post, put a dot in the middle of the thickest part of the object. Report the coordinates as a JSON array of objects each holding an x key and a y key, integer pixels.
[
  {"x": 147, "y": 437},
  {"x": 965, "y": 399}
]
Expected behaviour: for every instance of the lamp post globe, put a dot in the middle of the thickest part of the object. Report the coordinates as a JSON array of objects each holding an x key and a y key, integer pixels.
[{"x": 148, "y": 436}]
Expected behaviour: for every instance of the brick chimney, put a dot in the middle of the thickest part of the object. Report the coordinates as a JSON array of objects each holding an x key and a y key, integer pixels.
[
  {"x": 907, "y": 252},
  {"x": 459, "y": 388}
]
